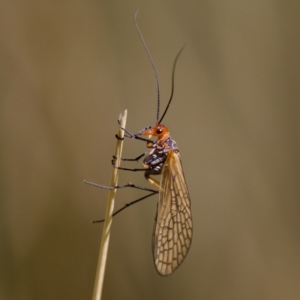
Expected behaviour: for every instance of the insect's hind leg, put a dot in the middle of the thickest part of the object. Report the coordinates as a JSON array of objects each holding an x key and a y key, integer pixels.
[
  {"x": 131, "y": 185},
  {"x": 129, "y": 204}
]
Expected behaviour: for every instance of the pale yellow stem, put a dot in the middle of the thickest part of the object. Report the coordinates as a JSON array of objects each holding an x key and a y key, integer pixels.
[{"x": 98, "y": 287}]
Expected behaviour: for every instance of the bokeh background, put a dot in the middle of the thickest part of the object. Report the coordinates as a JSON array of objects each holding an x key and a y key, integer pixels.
[{"x": 68, "y": 68}]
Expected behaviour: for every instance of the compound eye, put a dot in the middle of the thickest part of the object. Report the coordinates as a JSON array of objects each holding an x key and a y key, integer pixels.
[{"x": 159, "y": 131}]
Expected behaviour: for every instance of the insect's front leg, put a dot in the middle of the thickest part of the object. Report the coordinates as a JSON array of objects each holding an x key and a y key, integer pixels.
[{"x": 131, "y": 135}]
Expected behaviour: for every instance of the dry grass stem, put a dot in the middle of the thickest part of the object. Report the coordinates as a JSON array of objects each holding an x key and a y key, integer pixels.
[{"x": 98, "y": 287}]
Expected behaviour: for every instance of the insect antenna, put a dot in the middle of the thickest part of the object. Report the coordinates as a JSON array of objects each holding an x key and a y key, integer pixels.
[
  {"x": 172, "y": 89},
  {"x": 152, "y": 64}
]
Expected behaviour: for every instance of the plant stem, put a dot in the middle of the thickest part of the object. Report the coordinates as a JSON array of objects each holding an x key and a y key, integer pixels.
[{"x": 98, "y": 287}]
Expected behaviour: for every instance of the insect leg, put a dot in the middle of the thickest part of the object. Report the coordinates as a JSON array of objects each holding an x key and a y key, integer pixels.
[
  {"x": 152, "y": 181},
  {"x": 127, "y": 205},
  {"x": 133, "y": 136},
  {"x": 131, "y": 185},
  {"x": 125, "y": 169},
  {"x": 149, "y": 145},
  {"x": 119, "y": 138},
  {"x": 131, "y": 159}
]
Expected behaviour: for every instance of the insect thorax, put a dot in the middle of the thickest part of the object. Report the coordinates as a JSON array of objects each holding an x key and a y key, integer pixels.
[{"x": 157, "y": 155}]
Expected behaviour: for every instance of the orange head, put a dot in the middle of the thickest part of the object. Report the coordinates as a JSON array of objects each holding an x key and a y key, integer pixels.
[{"x": 159, "y": 130}]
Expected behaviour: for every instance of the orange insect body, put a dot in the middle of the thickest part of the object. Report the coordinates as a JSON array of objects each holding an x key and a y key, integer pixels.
[
  {"x": 172, "y": 234},
  {"x": 156, "y": 157}
]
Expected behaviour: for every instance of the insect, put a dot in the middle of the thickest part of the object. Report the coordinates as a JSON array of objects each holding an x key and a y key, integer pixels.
[{"x": 172, "y": 235}]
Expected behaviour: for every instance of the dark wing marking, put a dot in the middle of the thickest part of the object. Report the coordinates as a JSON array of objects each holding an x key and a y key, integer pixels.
[{"x": 172, "y": 234}]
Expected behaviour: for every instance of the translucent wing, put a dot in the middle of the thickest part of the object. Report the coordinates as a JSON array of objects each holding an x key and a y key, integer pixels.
[{"x": 172, "y": 235}]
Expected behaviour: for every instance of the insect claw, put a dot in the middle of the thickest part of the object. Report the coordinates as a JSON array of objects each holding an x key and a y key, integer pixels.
[
  {"x": 119, "y": 138},
  {"x": 119, "y": 124}
]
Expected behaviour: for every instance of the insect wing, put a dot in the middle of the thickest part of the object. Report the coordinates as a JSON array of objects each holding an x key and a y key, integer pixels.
[{"x": 172, "y": 234}]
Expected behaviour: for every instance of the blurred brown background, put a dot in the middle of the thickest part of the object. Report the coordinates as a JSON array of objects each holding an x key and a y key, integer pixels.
[{"x": 68, "y": 68}]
